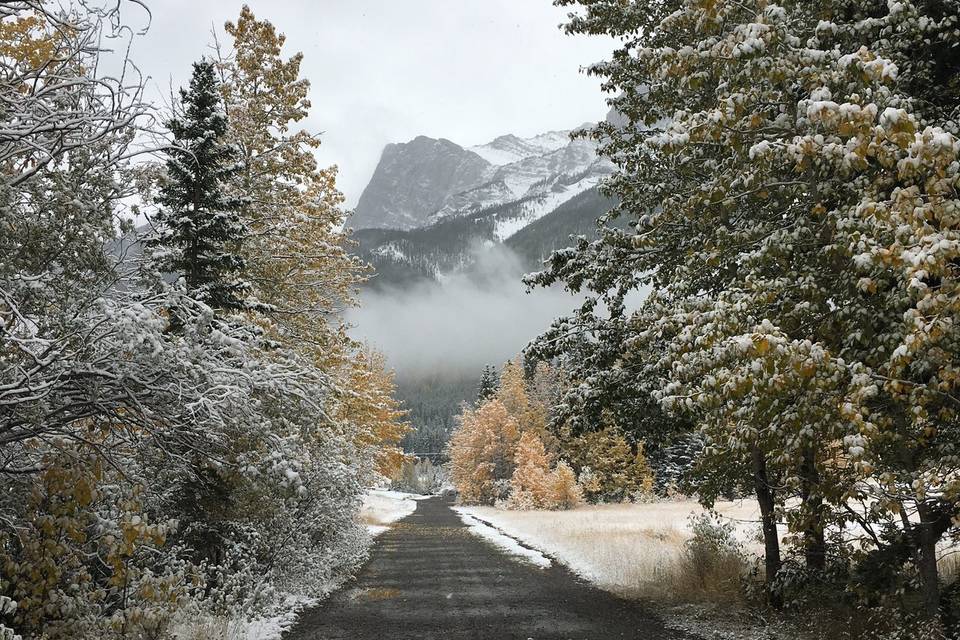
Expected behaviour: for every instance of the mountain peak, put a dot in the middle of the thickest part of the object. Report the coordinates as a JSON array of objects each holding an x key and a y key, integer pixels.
[
  {"x": 428, "y": 179},
  {"x": 413, "y": 179},
  {"x": 507, "y": 149}
]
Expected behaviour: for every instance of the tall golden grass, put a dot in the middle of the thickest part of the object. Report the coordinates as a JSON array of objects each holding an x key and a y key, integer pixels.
[{"x": 635, "y": 550}]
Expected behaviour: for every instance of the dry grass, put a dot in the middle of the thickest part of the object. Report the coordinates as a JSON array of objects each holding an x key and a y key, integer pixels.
[
  {"x": 636, "y": 550},
  {"x": 207, "y": 627}
]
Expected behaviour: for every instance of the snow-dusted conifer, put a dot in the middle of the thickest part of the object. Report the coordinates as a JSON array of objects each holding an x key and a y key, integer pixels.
[
  {"x": 489, "y": 382},
  {"x": 199, "y": 228}
]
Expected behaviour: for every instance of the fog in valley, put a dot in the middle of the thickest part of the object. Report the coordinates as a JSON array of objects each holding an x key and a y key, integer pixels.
[{"x": 482, "y": 316}]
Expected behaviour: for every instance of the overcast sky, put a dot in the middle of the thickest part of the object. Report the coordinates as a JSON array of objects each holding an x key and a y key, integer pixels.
[{"x": 388, "y": 70}]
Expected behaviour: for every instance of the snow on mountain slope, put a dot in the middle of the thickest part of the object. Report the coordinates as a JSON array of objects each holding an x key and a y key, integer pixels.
[
  {"x": 534, "y": 175},
  {"x": 391, "y": 251},
  {"x": 529, "y": 230},
  {"x": 509, "y": 148},
  {"x": 413, "y": 179},
  {"x": 420, "y": 182},
  {"x": 540, "y": 205},
  {"x": 431, "y": 202}
]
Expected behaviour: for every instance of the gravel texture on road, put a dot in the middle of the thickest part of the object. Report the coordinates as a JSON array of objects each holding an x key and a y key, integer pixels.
[{"x": 429, "y": 578}]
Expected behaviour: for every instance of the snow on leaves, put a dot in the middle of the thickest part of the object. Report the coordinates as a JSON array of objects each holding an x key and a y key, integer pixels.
[{"x": 789, "y": 178}]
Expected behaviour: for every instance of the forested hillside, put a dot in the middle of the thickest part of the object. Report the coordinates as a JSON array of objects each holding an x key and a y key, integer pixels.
[{"x": 404, "y": 258}]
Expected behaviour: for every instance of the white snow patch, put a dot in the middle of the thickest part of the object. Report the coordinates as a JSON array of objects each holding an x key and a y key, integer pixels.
[
  {"x": 538, "y": 207},
  {"x": 509, "y": 149},
  {"x": 274, "y": 627},
  {"x": 496, "y": 157},
  {"x": 391, "y": 251},
  {"x": 623, "y": 548},
  {"x": 382, "y": 507},
  {"x": 504, "y": 228},
  {"x": 204, "y": 625},
  {"x": 502, "y": 541}
]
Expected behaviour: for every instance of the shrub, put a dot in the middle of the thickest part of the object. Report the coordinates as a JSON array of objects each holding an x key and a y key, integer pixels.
[{"x": 713, "y": 564}]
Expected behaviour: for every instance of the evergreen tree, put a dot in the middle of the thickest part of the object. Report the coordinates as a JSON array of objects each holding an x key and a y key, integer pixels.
[
  {"x": 489, "y": 382},
  {"x": 200, "y": 229}
]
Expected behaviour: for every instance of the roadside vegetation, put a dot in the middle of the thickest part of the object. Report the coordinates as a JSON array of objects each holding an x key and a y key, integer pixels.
[
  {"x": 506, "y": 451},
  {"x": 787, "y": 186},
  {"x": 186, "y": 431}
]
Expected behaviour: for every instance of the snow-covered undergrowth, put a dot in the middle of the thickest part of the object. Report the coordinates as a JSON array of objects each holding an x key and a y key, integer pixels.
[
  {"x": 192, "y": 626},
  {"x": 501, "y": 541},
  {"x": 382, "y": 507},
  {"x": 628, "y": 549}
]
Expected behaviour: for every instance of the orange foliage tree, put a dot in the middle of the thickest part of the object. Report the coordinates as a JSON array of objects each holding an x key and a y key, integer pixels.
[
  {"x": 530, "y": 483},
  {"x": 370, "y": 406},
  {"x": 299, "y": 266},
  {"x": 482, "y": 453},
  {"x": 565, "y": 492}
]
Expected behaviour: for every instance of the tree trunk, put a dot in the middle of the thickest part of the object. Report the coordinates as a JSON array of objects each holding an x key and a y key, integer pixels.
[
  {"x": 771, "y": 538},
  {"x": 815, "y": 545},
  {"x": 927, "y": 538}
]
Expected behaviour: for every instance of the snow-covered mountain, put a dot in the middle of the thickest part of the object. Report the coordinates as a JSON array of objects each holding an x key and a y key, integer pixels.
[
  {"x": 431, "y": 202},
  {"x": 423, "y": 181},
  {"x": 509, "y": 148}
]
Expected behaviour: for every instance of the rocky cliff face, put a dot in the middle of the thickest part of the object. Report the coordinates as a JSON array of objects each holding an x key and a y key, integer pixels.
[{"x": 413, "y": 180}]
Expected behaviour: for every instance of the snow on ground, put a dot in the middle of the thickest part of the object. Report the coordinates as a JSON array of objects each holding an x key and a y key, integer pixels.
[
  {"x": 623, "y": 548},
  {"x": 501, "y": 541},
  {"x": 198, "y": 626},
  {"x": 630, "y": 550},
  {"x": 382, "y": 507},
  {"x": 273, "y": 628}
]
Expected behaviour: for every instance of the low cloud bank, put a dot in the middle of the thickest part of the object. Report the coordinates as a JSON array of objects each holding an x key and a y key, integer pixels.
[{"x": 470, "y": 319}]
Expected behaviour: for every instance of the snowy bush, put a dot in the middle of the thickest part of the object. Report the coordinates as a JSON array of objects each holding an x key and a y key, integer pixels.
[{"x": 420, "y": 476}]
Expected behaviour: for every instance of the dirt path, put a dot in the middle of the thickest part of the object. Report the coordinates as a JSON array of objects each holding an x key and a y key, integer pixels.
[{"x": 429, "y": 578}]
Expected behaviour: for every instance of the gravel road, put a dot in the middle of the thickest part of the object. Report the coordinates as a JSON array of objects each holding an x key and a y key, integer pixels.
[{"x": 429, "y": 578}]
